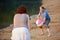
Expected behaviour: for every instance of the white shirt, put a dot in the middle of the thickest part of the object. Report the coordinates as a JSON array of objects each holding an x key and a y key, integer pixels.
[{"x": 21, "y": 20}]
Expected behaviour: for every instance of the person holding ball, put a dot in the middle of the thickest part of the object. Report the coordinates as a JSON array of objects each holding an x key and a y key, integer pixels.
[{"x": 46, "y": 19}]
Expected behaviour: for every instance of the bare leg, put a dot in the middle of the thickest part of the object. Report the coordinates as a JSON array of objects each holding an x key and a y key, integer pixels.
[
  {"x": 41, "y": 30},
  {"x": 48, "y": 30}
]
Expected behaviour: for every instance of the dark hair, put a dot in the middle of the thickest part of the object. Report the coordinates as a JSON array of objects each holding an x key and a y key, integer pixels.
[
  {"x": 21, "y": 10},
  {"x": 42, "y": 7}
]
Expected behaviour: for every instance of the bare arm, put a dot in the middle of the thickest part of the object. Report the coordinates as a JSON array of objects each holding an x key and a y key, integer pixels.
[
  {"x": 28, "y": 23},
  {"x": 44, "y": 20},
  {"x": 14, "y": 21}
]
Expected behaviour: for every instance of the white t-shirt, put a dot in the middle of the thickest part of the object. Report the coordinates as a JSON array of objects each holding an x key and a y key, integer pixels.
[{"x": 21, "y": 20}]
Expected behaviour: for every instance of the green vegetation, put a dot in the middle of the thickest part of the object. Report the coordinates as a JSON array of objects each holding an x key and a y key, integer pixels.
[{"x": 8, "y": 7}]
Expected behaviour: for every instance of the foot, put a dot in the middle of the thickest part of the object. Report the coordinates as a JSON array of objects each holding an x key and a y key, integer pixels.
[
  {"x": 42, "y": 33},
  {"x": 49, "y": 35}
]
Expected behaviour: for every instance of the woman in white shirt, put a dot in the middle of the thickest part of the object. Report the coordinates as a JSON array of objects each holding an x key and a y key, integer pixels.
[{"x": 21, "y": 25}]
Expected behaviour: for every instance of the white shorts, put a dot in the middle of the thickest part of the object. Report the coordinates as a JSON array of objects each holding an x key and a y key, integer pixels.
[{"x": 20, "y": 33}]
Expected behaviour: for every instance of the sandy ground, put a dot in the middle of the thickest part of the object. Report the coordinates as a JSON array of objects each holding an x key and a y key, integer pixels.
[{"x": 53, "y": 7}]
